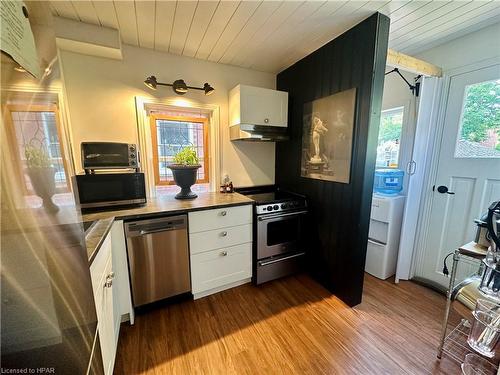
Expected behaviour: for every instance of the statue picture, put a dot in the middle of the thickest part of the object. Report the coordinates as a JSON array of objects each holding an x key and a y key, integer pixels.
[{"x": 327, "y": 137}]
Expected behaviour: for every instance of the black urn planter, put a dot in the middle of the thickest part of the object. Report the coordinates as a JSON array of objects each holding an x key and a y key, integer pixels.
[
  {"x": 42, "y": 180},
  {"x": 184, "y": 177}
]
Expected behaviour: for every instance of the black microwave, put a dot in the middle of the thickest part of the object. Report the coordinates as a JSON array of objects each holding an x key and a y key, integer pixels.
[
  {"x": 109, "y": 155},
  {"x": 109, "y": 190}
]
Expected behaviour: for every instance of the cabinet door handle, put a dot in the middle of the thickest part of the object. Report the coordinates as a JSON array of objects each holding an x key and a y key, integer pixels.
[
  {"x": 223, "y": 213},
  {"x": 109, "y": 282},
  {"x": 266, "y": 121},
  {"x": 224, "y": 253},
  {"x": 223, "y": 234}
]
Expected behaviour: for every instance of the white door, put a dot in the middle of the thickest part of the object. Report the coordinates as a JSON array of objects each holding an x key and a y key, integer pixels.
[{"x": 468, "y": 172}]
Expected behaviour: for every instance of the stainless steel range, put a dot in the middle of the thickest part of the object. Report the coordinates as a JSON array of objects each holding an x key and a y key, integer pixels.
[{"x": 279, "y": 231}]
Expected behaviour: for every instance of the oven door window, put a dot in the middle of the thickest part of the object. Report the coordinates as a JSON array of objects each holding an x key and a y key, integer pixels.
[
  {"x": 98, "y": 155},
  {"x": 283, "y": 230}
]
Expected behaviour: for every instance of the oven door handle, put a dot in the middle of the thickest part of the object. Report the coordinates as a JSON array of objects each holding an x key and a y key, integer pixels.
[
  {"x": 266, "y": 263},
  {"x": 267, "y": 217}
]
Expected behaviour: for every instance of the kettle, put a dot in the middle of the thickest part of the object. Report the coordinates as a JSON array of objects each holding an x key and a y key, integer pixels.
[{"x": 493, "y": 225}]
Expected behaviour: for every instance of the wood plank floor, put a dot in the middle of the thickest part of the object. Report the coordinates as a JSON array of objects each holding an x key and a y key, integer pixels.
[{"x": 290, "y": 326}]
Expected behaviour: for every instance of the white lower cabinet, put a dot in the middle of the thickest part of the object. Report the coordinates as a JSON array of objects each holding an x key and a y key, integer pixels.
[
  {"x": 109, "y": 273},
  {"x": 102, "y": 274},
  {"x": 221, "y": 249}
]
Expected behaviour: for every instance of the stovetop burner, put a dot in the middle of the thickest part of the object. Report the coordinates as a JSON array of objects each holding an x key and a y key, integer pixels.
[{"x": 271, "y": 199}]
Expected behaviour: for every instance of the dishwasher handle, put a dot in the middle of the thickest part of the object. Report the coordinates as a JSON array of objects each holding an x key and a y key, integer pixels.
[
  {"x": 164, "y": 224},
  {"x": 143, "y": 232}
]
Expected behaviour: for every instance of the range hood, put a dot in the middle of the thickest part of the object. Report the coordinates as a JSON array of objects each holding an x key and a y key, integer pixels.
[
  {"x": 259, "y": 133},
  {"x": 258, "y": 114}
]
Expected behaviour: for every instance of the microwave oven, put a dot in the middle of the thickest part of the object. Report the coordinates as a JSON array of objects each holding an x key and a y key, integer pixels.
[
  {"x": 109, "y": 155},
  {"x": 109, "y": 189}
]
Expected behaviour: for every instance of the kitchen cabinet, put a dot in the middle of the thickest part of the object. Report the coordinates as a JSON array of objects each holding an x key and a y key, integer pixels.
[
  {"x": 109, "y": 274},
  {"x": 220, "y": 249},
  {"x": 101, "y": 271},
  {"x": 258, "y": 106}
]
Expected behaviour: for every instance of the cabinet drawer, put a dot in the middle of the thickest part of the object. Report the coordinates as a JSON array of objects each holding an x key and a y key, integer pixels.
[
  {"x": 222, "y": 217},
  {"x": 219, "y": 238},
  {"x": 220, "y": 267}
]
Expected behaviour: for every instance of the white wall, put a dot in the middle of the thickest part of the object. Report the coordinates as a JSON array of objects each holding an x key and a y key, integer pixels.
[
  {"x": 474, "y": 47},
  {"x": 100, "y": 94},
  {"x": 396, "y": 91}
]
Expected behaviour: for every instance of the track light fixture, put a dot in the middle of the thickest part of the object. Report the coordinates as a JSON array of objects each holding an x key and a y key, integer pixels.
[{"x": 179, "y": 86}]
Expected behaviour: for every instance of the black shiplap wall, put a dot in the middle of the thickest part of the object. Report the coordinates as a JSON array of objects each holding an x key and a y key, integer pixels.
[{"x": 340, "y": 212}]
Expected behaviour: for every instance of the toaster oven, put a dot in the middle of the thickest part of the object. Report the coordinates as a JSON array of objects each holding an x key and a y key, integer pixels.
[{"x": 109, "y": 155}]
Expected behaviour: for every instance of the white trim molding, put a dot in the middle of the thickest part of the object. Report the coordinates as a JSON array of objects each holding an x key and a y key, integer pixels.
[{"x": 144, "y": 106}]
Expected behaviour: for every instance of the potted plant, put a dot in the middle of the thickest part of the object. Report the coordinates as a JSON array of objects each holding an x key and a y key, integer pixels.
[
  {"x": 41, "y": 175},
  {"x": 184, "y": 169}
]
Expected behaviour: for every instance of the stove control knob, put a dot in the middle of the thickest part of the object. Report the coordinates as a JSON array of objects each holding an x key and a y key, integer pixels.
[
  {"x": 284, "y": 205},
  {"x": 276, "y": 207},
  {"x": 269, "y": 208}
]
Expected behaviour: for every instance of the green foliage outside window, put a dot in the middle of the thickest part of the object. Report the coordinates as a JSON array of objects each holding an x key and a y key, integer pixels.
[
  {"x": 390, "y": 128},
  {"x": 481, "y": 111}
]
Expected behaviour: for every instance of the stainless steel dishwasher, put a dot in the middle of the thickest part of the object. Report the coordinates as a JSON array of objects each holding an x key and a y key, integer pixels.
[{"x": 158, "y": 258}]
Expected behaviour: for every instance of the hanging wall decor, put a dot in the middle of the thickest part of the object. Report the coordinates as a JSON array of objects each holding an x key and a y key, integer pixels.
[{"x": 327, "y": 137}]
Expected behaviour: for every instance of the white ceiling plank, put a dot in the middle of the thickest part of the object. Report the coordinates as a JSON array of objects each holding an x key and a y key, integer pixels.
[
  {"x": 288, "y": 33},
  {"x": 106, "y": 13},
  {"x": 65, "y": 9},
  {"x": 321, "y": 32},
  {"x": 263, "y": 12},
  {"x": 201, "y": 20},
  {"x": 146, "y": 18},
  {"x": 459, "y": 21},
  {"x": 442, "y": 14},
  {"x": 164, "y": 21},
  {"x": 392, "y": 6},
  {"x": 127, "y": 21},
  {"x": 280, "y": 16},
  {"x": 431, "y": 29},
  {"x": 455, "y": 32},
  {"x": 419, "y": 13},
  {"x": 407, "y": 8},
  {"x": 233, "y": 28},
  {"x": 86, "y": 12},
  {"x": 271, "y": 35},
  {"x": 182, "y": 23},
  {"x": 222, "y": 15}
]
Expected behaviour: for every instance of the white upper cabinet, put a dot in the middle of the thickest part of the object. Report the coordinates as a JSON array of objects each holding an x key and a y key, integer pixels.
[{"x": 258, "y": 106}]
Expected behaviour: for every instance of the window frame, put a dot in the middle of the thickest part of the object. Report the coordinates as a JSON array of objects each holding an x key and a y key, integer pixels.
[
  {"x": 395, "y": 110},
  {"x": 154, "y": 142},
  {"x": 11, "y": 136}
]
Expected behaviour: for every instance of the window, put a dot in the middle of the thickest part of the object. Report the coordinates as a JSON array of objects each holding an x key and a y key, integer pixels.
[
  {"x": 172, "y": 133},
  {"x": 479, "y": 134},
  {"x": 389, "y": 137},
  {"x": 35, "y": 129}
]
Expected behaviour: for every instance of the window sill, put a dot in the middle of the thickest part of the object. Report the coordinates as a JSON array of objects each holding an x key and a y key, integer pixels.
[{"x": 165, "y": 190}]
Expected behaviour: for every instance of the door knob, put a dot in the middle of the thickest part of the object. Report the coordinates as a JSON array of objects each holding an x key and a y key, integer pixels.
[{"x": 444, "y": 190}]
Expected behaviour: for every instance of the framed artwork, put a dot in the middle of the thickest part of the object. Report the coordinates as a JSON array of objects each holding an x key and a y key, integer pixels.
[{"x": 327, "y": 137}]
